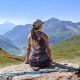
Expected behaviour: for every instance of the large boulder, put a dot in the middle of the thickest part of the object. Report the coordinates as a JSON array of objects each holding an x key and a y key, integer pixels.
[{"x": 43, "y": 76}]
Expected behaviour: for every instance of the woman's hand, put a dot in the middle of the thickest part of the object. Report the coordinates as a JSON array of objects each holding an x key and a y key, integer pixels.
[
  {"x": 52, "y": 62},
  {"x": 26, "y": 62}
]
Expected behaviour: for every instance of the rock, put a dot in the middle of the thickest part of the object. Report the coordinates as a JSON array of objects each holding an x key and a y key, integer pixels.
[
  {"x": 44, "y": 76},
  {"x": 16, "y": 68},
  {"x": 5, "y": 78}
]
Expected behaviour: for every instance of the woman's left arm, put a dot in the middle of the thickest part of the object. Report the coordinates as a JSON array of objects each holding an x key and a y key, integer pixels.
[{"x": 28, "y": 48}]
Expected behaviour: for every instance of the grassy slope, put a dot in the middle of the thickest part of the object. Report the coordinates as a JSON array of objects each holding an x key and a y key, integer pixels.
[
  {"x": 67, "y": 50},
  {"x": 6, "y": 59}
]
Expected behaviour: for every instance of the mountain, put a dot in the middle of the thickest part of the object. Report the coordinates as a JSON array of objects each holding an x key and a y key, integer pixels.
[
  {"x": 7, "y": 59},
  {"x": 68, "y": 49},
  {"x": 19, "y": 34},
  {"x": 7, "y": 26},
  {"x": 56, "y": 29},
  {"x": 9, "y": 46}
]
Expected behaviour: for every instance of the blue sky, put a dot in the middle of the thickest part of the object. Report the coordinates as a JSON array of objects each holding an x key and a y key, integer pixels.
[{"x": 26, "y": 11}]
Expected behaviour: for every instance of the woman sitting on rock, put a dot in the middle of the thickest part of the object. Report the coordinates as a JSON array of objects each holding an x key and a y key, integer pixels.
[{"x": 38, "y": 51}]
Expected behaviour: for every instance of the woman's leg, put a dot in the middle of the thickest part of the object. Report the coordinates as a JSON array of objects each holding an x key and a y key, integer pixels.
[
  {"x": 34, "y": 64},
  {"x": 44, "y": 63}
]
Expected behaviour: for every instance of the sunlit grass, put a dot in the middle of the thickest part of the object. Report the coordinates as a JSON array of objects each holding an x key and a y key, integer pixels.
[
  {"x": 6, "y": 59},
  {"x": 67, "y": 50}
]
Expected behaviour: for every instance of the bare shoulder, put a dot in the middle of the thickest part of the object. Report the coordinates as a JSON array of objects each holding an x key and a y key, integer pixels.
[
  {"x": 44, "y": 36},
  {"x": 29, "y": 35},
  {"x": 29, "y": 38}
]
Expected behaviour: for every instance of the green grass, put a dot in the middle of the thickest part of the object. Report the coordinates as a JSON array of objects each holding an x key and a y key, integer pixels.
[
  {"x": 67, "y": 50},
  {"x": 7, "y": 59}
]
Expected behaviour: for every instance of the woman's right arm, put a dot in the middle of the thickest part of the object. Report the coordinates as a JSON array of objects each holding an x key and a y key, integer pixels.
[{"x": 48, "y": 50}]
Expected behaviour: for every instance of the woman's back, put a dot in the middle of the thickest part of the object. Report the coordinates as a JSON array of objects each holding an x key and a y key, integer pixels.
[
  {"x": 38, "y": 42},
  {"x": 41, "y": 43},
  {"x": 38, "y": 53}
]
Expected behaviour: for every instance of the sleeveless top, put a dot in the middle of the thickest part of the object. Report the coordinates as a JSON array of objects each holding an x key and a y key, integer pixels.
[{"x": 39, "y": 55}]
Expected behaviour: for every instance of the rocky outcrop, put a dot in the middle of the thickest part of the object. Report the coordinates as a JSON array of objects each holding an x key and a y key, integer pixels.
[{"x": 59, "y": 75}]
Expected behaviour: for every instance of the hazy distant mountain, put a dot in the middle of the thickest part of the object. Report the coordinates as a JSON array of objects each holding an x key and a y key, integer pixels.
[
  {"x": 9, "y": 46},
  {"x": 19, "y": 34},
  {"x": 56, "y": 29},
  {"x": 7, "y": 26}
]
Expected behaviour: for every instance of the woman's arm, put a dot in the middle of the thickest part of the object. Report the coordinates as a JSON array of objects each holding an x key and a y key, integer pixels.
[
  {"x": 48, "y": 50},
  {"x": 28, "y": 48}
]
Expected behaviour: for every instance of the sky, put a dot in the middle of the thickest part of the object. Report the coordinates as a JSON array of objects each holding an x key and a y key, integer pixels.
[{"x": 27, "y": 11}]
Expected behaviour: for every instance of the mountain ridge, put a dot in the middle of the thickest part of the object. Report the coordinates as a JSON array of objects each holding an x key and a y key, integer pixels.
[
  {"x": 6, "y": 26},
  {"x": 57, "y": 30},
  {"x": 9, "y": 46}
]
